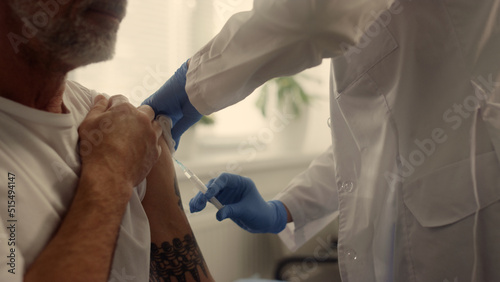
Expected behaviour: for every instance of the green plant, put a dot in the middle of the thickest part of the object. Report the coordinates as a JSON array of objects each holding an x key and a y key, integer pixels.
[
  {"x": 206, "y": 120},
  {"x": 290, "y": 94}
]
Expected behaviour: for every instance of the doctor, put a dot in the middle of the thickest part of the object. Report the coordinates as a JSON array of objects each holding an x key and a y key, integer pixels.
[{"x": 413, "y": 170}]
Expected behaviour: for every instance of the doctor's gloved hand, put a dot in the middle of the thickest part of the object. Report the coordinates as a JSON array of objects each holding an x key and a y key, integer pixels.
[
  {"x": 172, "y": 100},
  {"x": 243, "y": 204}
]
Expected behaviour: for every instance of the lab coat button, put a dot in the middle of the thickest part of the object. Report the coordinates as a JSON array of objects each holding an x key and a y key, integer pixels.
[
  {"x": 350, "y": 254},
  {"x": 346, "y": 186},
  {"x": 329, "y": 122}
]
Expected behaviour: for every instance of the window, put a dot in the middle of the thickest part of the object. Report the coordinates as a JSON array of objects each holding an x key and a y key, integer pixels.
[{"x": 157, "y": 36}]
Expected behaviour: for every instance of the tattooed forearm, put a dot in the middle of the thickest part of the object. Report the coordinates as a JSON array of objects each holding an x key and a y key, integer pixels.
[
  {"x": 179, "y": 259},
  {"x": 175, "y": 255}
]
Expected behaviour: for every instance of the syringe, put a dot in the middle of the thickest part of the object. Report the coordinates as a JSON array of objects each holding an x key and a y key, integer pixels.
[
  {"x": 198, "y": 183},
  {"x": 166, "y": 125}
]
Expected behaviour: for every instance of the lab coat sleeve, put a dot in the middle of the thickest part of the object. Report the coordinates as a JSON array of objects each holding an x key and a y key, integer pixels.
[
  {"x": 312, "y": 199},
  {"x": 276, "y": 38}
]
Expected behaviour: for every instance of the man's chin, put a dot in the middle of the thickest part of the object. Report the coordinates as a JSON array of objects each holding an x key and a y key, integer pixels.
[
  {"x": 74, "y": 41},
  {"x": 85, "y": 52},
  {"x": 74, "y": 62}
]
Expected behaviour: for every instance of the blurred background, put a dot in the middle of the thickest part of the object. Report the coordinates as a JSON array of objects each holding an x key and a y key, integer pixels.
[{"x": 266, "y": 138}]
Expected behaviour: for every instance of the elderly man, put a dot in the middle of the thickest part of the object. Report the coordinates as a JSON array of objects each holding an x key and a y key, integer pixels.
[{"x": 73, "y": 163}]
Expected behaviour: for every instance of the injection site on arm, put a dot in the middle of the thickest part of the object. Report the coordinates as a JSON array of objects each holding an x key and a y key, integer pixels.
[{"x": 166, "y": 125}]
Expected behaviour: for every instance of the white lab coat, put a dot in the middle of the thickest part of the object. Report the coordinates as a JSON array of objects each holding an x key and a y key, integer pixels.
[{"x": 403, "y": 102}]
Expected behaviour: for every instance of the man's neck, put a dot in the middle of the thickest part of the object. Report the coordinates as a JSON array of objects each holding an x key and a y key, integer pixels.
[{"x": 33, "y": 87}]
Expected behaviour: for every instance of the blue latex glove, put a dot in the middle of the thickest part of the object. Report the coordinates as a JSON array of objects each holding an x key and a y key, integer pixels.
[
  {"x": 172, "y": 100},
  {"x": 243, "y": 204}
]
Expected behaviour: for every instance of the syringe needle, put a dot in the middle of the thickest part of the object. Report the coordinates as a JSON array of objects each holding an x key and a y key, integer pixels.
[
  {"x": 198, "y": 183},
  {"x": 166, "y": 125}
]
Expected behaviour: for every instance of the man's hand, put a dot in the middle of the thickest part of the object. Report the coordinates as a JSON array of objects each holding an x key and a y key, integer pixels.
[
  {"x": 119, "y": 139},
  {"x": 118, "y": 147}
]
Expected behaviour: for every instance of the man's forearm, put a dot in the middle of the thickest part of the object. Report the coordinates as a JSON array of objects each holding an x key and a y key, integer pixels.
[
  {"x": 83, "y": 247},
  {"x": 174, "y": 251}
]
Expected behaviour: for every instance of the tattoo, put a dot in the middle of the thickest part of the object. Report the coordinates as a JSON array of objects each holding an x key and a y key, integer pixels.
[
  {"x": 176, "y": 260},
  {"x": 178, "y": 193}
]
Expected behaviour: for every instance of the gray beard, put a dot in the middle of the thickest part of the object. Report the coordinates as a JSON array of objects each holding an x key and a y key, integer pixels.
[{"x": 71, "y": 41}]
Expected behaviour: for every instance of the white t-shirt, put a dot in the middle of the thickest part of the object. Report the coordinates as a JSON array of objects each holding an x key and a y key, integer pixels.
[{"x": 39, "y": 171}]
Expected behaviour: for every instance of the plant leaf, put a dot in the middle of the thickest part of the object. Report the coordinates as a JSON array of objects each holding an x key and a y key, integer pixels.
[{"x": 261, "y": 102}]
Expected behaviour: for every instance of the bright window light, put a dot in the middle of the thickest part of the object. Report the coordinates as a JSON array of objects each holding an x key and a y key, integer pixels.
[{"x": 156, "y": 37}]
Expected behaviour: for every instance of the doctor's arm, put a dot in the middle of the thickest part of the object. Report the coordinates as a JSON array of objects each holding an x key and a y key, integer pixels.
[
  {"x": 312, "y": 200},
  {"x": 276, "y": 38},
  {"x": 174, "y": 251}
]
